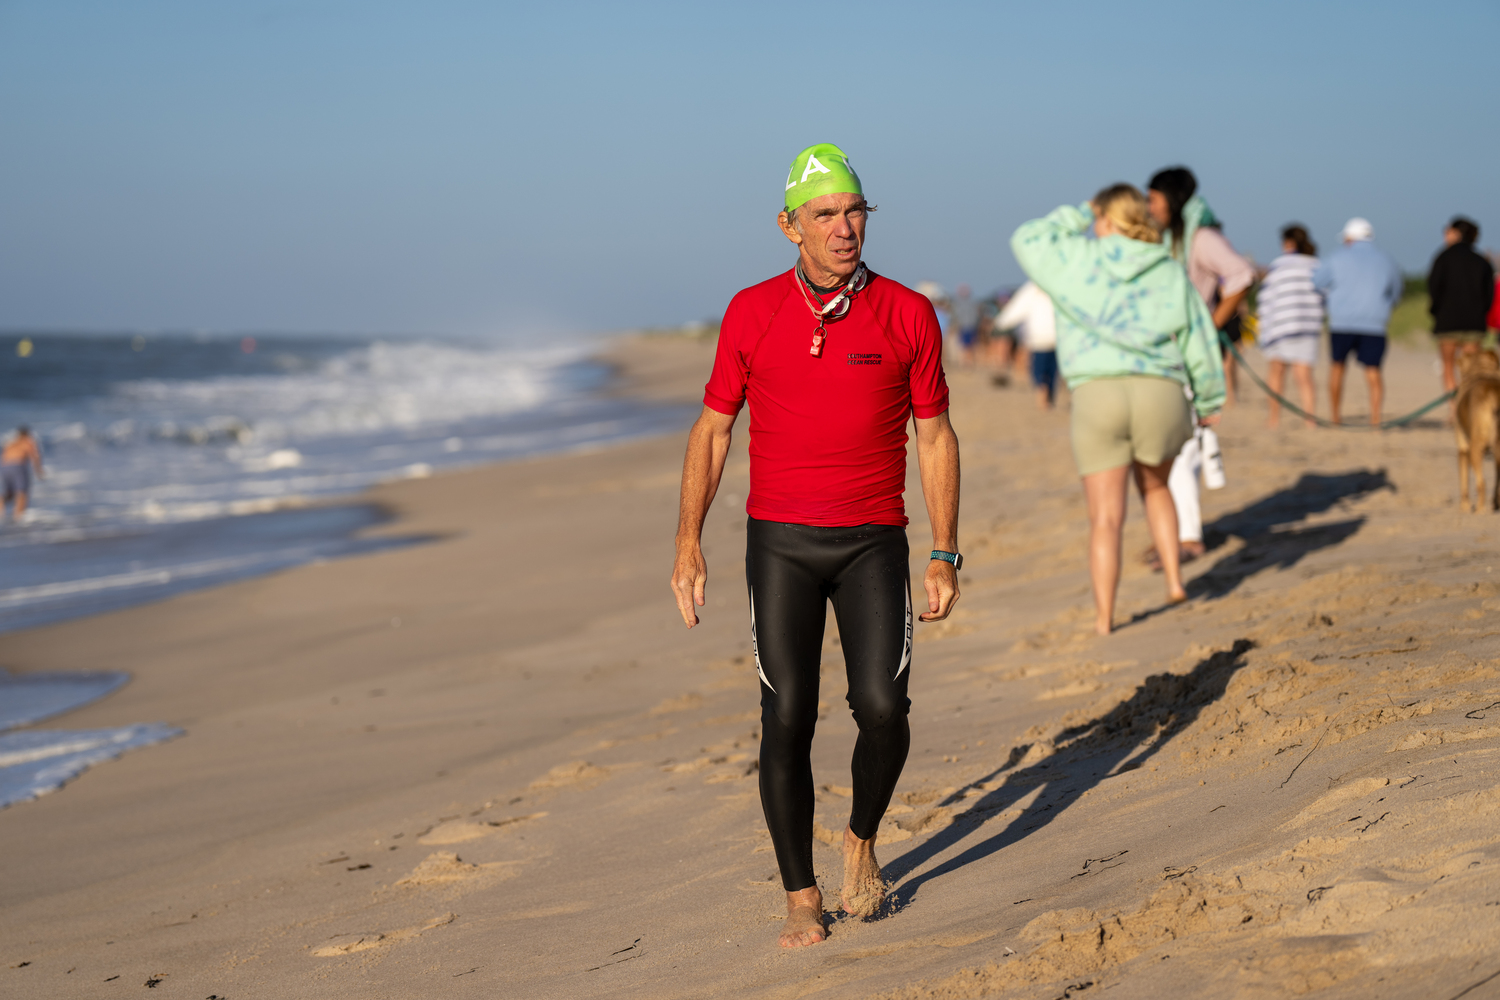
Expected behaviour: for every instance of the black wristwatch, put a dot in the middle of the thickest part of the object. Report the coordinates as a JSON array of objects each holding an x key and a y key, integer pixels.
[{"x": 953, "y": 557}]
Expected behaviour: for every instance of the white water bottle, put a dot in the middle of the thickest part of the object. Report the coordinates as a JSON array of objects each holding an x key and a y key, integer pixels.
[{"x": 1213, "y": 460}]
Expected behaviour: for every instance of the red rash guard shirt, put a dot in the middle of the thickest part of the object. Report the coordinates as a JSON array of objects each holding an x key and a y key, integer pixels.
[{"x": 828, "y": 434}]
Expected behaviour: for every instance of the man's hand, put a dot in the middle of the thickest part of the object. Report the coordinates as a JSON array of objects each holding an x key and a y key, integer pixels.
[
  {"x": 708, "y": 444},
  {"x": 941, "y": 584},
  {"x": 689, "y": 578}
]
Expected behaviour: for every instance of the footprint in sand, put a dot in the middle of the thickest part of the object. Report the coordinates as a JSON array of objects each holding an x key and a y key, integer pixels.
[
  {"x": 574, "y": 774},
  {"x": 446, "y": 868},
  {"x": 460, "y": 830},
  {"x": 349, "y": 944}
]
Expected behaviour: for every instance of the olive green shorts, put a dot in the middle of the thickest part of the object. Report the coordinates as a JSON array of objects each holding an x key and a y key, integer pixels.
[
  {"x": 1136, "y": 418},
  {"x": 1462, "y": 336}
]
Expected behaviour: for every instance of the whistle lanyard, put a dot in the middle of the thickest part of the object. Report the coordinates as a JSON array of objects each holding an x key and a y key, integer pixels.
[{"x": 834, "y": 309}]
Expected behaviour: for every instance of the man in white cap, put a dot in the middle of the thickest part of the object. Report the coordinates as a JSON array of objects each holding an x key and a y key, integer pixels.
[{"x": 1361, "y": 284}]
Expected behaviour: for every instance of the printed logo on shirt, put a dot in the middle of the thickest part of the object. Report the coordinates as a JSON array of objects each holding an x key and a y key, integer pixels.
[{"x": 863, "y": 359}]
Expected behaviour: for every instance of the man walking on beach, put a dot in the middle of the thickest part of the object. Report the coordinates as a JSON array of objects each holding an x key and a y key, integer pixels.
[
  {"x": 1361, "y": 284},
  {"x": 1461, "y": 286},
  {"x": 17, "y": 459},
  {"x": 833, "y": 360}
]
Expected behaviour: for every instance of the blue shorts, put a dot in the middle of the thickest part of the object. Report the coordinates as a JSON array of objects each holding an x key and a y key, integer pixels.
[
  {"x": 1368, "y": 347},
  {"x": 15, "y": 480},
  {"x": 967, "y": 335},
  {"x": 1044, "y": 370}
]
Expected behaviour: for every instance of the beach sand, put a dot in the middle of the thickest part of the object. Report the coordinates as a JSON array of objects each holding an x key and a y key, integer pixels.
[{"x": 496, "y": 765}]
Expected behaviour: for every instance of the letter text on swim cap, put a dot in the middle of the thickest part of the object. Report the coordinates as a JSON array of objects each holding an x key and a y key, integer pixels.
[{"x": 813, "y": 164}]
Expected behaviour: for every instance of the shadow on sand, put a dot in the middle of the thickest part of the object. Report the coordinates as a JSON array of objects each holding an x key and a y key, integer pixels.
[
  {"x": 1269, "y": 542},
  {"x": 1082, "y": 757}
]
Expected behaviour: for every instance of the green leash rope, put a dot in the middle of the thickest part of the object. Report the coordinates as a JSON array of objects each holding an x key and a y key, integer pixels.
[{"x": 1398, "y": 422}]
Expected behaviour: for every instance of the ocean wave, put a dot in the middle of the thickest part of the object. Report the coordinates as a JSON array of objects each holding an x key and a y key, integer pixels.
[{"x": 378, "y": 387}]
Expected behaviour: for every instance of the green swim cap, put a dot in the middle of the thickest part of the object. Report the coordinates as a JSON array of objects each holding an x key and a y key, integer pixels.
[{"x": 819, "y": 170}]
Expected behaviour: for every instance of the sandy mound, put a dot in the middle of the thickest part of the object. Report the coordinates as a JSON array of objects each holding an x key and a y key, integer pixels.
[{"x": 349, "y": 944}]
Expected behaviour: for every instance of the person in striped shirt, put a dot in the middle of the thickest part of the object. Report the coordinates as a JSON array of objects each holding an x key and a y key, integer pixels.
[{"x": 1291, "y": 318}]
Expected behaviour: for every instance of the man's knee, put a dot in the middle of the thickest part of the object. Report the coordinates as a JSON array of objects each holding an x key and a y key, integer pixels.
[
  {"x": 787, "y": 718},
  {"x": 877, "y": 708}
]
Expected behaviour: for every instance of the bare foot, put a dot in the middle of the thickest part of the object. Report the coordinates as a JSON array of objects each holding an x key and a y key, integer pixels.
[
  {"x": 1188, "y": 551},
  {"x": 804, "y": 919},
  {"x": 864, "y": 885}
]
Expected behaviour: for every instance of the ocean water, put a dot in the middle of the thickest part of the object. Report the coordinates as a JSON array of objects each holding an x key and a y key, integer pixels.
[
  {"x": 38, "y": 761},
  {"x": 176, "y": 462}
]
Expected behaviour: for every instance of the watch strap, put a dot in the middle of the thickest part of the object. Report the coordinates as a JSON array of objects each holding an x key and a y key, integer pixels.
[{"x": 952, "y": 557}]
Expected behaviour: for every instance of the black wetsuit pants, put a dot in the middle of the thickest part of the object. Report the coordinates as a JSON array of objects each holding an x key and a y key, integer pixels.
[{"x": 793, "y": 571}]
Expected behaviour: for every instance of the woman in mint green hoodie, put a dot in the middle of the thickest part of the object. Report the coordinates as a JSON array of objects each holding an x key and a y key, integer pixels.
[{"x": 1132, "y": 335}]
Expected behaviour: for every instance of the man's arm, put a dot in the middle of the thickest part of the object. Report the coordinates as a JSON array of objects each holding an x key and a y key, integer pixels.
[
  {"x": 1228, "y": 306},
  {"x": 702, "y": 466},
  {"x": 937, "y": 457},
  {"x": 1435, "y": 286}
]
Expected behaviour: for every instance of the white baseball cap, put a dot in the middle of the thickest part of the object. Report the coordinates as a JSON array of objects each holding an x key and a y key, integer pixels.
[{"x": 1357, "y": 229}]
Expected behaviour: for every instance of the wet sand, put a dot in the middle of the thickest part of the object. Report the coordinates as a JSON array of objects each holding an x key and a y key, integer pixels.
[{"x": 497, "y": 765}]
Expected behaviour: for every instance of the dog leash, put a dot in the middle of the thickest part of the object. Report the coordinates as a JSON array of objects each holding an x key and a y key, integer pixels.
[{"x": 1320, "y": 421}]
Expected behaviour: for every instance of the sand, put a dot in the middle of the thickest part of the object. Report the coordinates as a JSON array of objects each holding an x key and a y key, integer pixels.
[{"x": 496, "y": 765}]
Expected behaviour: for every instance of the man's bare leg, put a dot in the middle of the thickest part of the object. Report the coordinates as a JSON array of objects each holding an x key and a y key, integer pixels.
[
  {"x": 1448, "y": 351},
  {"x": 1377, "y": 392},
  {"x": 804, "y": 919},
  {"x": 1336, "y": 390},
  {"x": 864, "y": 885}
]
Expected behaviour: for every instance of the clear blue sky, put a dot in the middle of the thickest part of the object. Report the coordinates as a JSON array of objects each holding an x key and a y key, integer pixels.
[{"x": 530, "y": 170}]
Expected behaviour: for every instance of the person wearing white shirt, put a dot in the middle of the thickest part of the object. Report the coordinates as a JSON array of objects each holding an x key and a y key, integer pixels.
[{"x": 1030, "y": 311}]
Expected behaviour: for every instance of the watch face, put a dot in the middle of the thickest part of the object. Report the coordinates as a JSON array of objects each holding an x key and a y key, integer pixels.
[{"x": 958, "y": 562}]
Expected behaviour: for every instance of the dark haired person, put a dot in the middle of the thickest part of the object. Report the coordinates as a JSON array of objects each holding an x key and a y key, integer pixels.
[
  {"x": 1291, "y": 319},
  {"x": 1461, "y": 285},
  {"x": 1361, "y": 285},
  {"x": 1191, "y": 233},
  {"x": 18, "y": 458}
]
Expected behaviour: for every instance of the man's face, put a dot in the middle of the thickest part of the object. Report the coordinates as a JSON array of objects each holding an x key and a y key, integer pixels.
[
  {"x": 831, "y": 237},
  {"x": 1452, "y": 236},
  {"x": 1161, "y": 212}
]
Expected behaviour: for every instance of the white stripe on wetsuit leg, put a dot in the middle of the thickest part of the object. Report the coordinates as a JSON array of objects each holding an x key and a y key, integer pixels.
[
  {"x": 906, "y": 649},
  {"x": 755, "y": 646}
]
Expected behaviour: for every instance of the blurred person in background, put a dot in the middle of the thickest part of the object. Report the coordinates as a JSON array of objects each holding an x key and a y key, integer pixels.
[
  {"x": 1222, "y": 278},
  {"x": 1003, "y": 350},
  {"x": 1030, "y": 311},
  {"x": 1494, "y": 317},
  {"x": 1361, "y": 284},
  {"x": 1461, "y": 286},
  {"x": 18, "y": 458},
  {"x": 1132, "y": 335},
  {"x": 1290, "y": 312},
  {"x": 963, "y": 322}
]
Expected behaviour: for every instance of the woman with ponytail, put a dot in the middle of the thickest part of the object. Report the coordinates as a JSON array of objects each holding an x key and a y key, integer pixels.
[{"x": 1132, "y": 333}]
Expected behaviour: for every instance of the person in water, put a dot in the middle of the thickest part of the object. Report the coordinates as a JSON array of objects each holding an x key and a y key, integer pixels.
[
  {"x": 18, "y": 458},
  {"x": 1132, "y": 334},
  {"x": 834, "y": 361}
]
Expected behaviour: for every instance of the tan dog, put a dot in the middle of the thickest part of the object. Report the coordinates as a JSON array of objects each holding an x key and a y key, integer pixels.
[{"x": 1476, "y": 424}]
